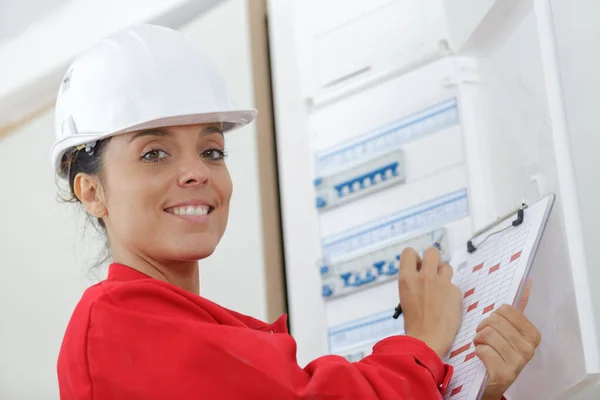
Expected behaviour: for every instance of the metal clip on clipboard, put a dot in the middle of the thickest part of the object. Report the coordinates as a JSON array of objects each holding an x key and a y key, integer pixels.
[{"x": 520, "y": 211}]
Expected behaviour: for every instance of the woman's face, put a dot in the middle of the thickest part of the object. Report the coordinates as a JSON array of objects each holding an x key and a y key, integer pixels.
[{"x": 167, "y": 192}]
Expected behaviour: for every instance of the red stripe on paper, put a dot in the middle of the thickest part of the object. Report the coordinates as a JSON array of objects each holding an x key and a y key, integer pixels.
[
  {"x": 472, "y": 306},
  {"x": 456, "y": 391},
  {"x": 460, "y": 350},
  {"x": 488, "y": 308},
  {"x": 495, "y": 268},
  {"x": 514, "y": 257}
]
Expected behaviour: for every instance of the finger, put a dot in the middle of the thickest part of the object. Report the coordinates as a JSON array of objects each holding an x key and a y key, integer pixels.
[
  {"x": 501, "y": 375},
  {"x": 490, "y": 358},
  {"x": 525, "y": 296},
  {"x": 431, "y": 261},
  {"x": 503, "y": 326},
  {"x": 410, "y": 262},
  {"x": 446, "y": 271},
  {"x": 521, "y": 323},
  {"x": 489, "y": 336},
  {"x": 520, "y": 352}
]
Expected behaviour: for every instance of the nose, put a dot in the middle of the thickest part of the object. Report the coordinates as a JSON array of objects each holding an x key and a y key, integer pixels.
[{"x": 193, "y": 172}]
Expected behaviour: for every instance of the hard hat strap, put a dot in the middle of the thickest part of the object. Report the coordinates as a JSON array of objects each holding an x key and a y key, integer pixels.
[{"x": 89, "y": 148}]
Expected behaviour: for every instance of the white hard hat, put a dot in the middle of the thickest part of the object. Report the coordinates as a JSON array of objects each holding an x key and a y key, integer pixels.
[{"x": 142, "y": 77}]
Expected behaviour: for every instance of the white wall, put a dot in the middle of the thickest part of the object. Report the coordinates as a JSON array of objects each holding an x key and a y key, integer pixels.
[
  {"x": 46, "y": 260},
  {"x": 577, "y": 40},
  {"x": 44, "y": 264}
]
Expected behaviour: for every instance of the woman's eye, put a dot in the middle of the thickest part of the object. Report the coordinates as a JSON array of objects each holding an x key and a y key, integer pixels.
[
  {"x": 213, "y": 154},
  {"x": 154, "y": 155}
]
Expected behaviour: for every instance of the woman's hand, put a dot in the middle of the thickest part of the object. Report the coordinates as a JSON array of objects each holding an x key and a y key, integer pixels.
[
  {"x": 505, "y": 342},
  {"x": 431, "y": 304}
]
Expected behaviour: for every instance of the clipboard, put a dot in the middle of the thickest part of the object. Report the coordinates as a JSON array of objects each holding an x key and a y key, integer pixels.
[{"x": 491, "y": 269}]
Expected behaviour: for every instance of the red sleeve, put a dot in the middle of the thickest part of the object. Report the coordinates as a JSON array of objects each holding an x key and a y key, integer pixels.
[
  {"x": 149, "y": 343},
  {"x": 400, "y": 367}
]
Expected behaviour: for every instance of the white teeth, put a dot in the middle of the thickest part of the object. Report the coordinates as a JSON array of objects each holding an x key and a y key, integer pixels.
[
  {"x": 201, "y": 210},
  {"x": 190, "y": 210}
]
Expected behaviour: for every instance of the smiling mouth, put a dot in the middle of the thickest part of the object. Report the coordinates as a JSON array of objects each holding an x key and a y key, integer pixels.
[{"x": 190, "y": 211}]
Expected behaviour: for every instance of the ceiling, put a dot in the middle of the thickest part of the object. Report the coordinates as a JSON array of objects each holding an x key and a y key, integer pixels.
[{"x": 17, "y": 15}]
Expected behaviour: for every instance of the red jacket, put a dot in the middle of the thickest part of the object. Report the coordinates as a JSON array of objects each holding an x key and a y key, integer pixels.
[{"x": 133, "y": 337}]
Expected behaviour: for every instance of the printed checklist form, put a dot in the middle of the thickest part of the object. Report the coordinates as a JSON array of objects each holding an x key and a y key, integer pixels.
[{"x": 491, "y": 270}]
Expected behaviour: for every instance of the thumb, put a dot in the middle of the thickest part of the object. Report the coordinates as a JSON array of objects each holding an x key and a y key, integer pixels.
[{"x": 524, "y": 296}]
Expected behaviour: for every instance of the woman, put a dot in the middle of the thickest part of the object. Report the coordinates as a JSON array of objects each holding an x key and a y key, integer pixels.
[{"x": 140, "y": 124}]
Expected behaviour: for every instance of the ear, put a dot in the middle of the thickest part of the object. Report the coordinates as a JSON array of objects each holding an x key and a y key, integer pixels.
[{"x": 89, "y": 191}]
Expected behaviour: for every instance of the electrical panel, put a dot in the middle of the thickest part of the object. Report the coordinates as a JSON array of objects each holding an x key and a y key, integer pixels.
[
  {"x": 388, "y": 165},
  {"x": 354, "y": 340},
  {"x": 361, "y": 180},
  {"x": 365, "y": 166},
  {"x": 391, "y": 137},
  {"x": 373, "y": 266},
  {"x": 351, "y": 43},
  {"x": 372, "y": 168}
]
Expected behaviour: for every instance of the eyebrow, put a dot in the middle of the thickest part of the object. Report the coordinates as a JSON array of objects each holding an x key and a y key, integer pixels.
[
  {"x": 210, "y": 130},
  {"x": 162, "y": 132}
]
